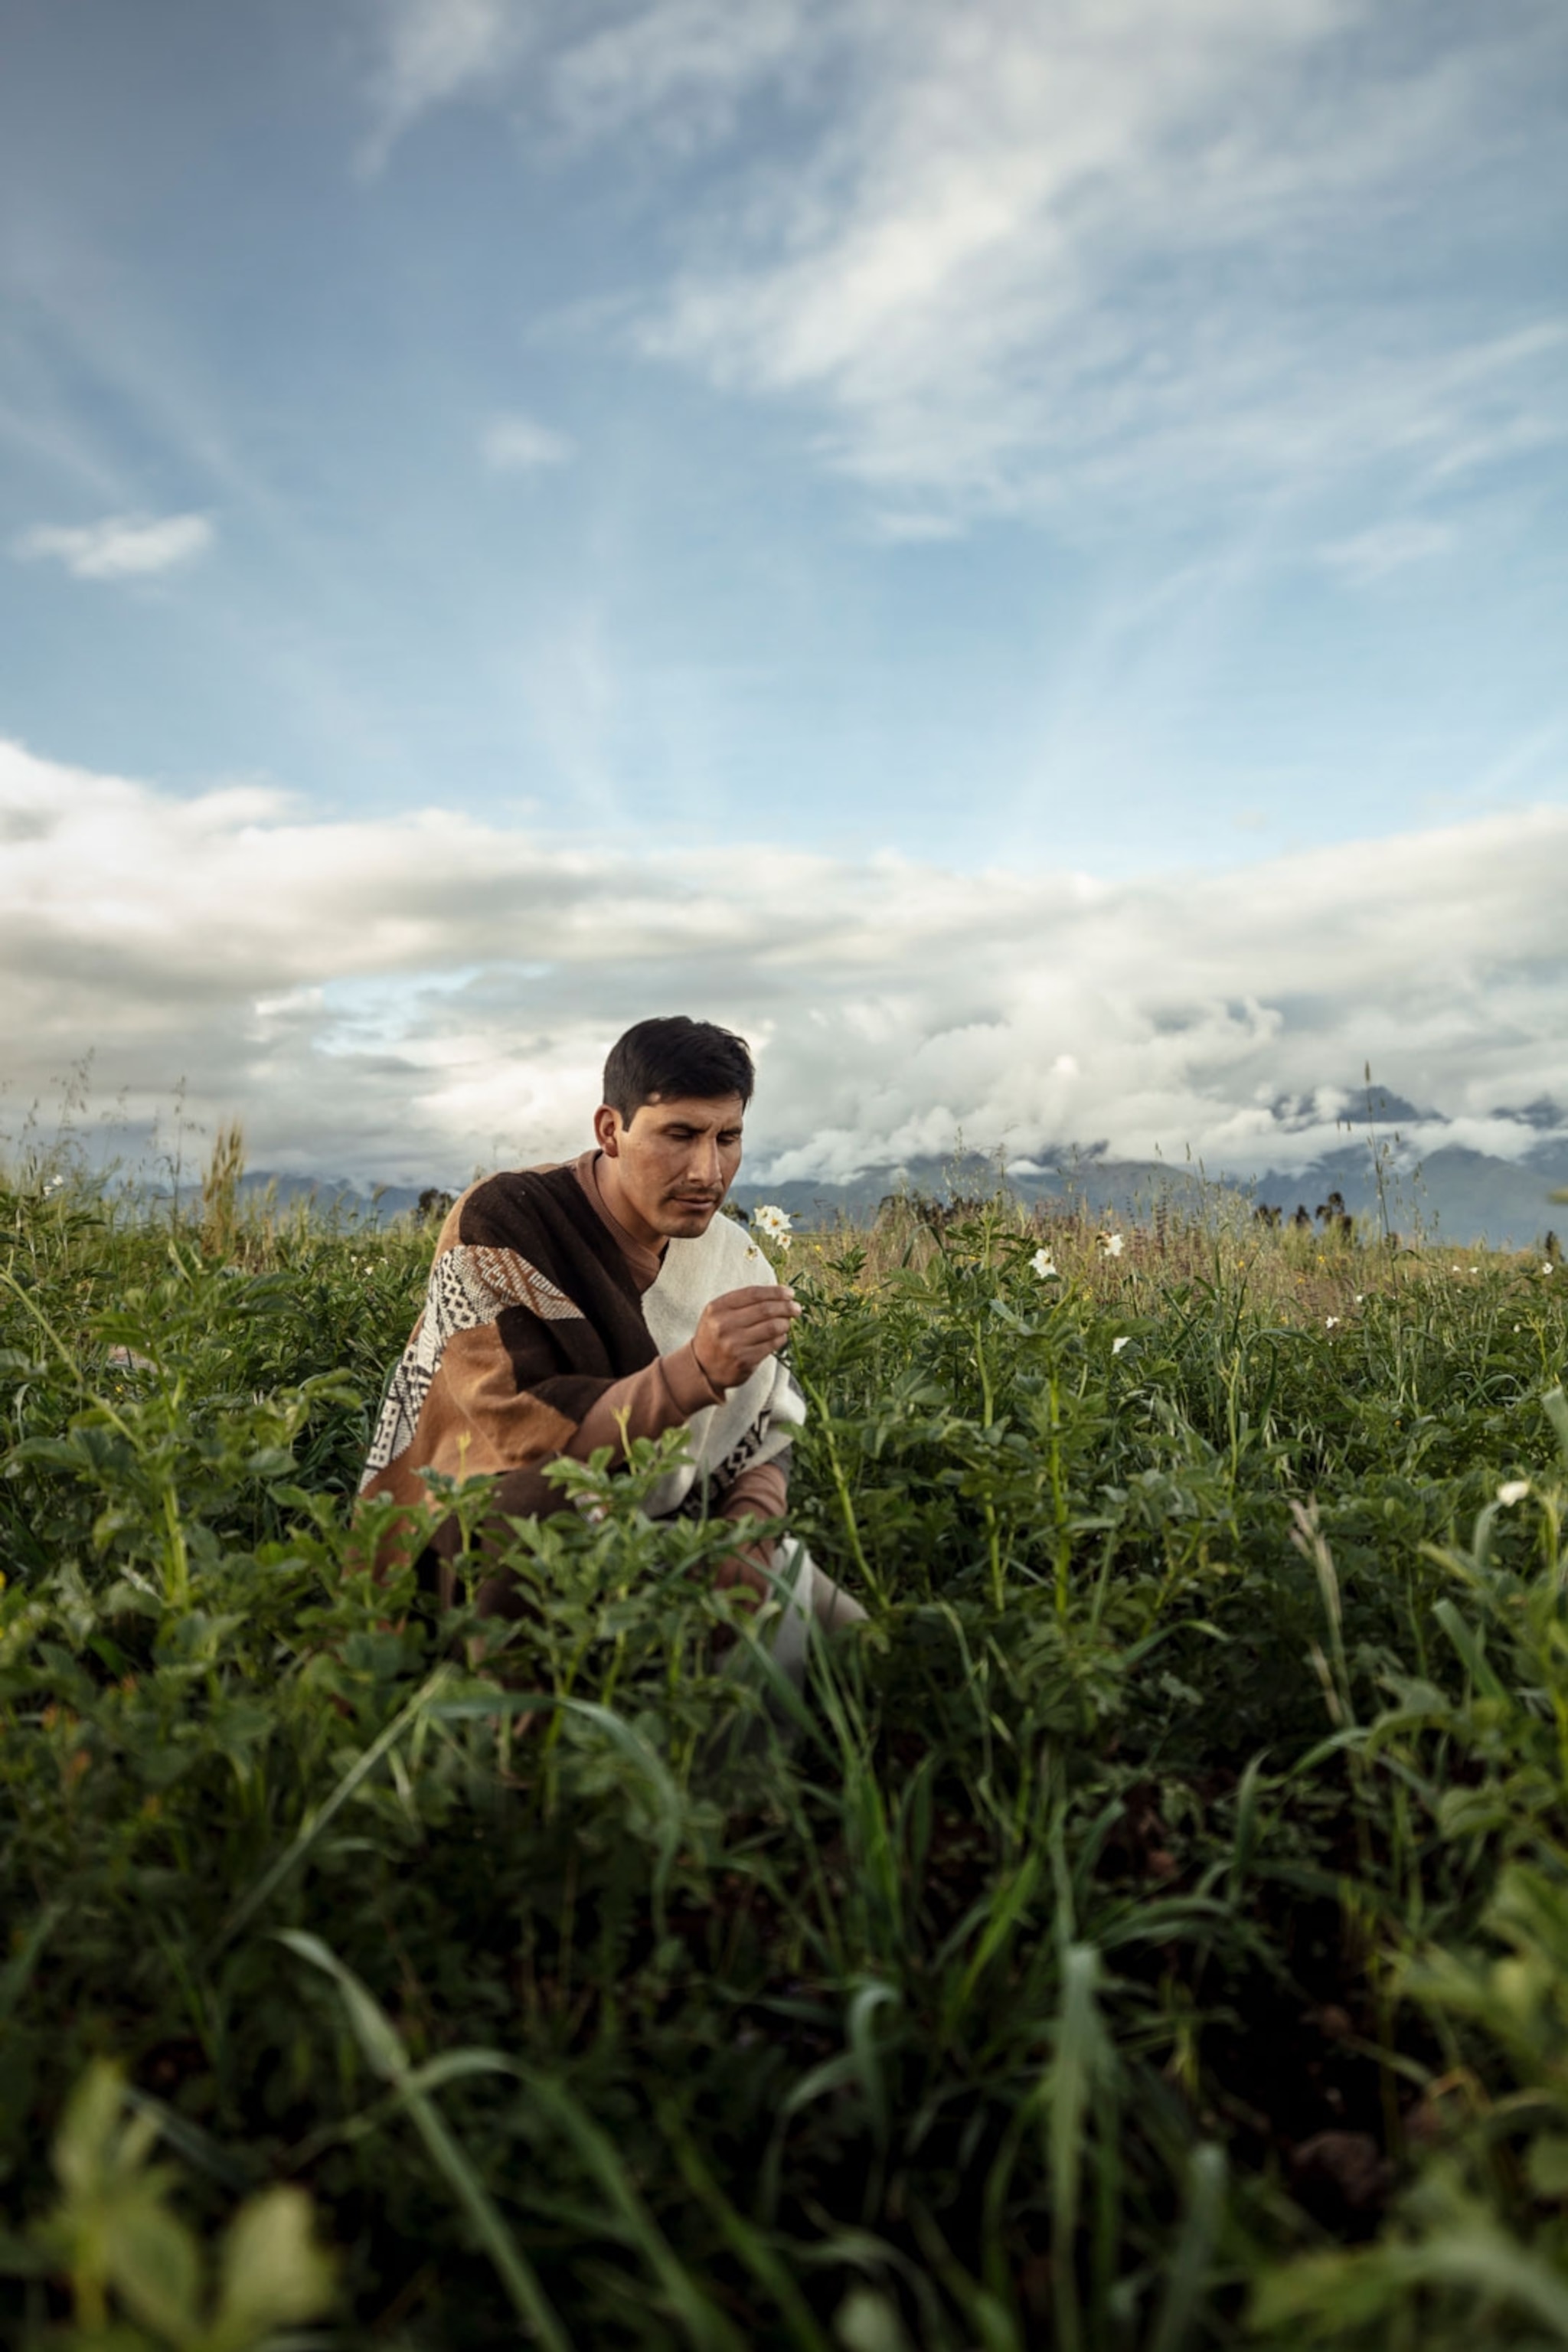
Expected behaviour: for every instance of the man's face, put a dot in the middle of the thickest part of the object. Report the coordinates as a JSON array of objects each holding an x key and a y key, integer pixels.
[{"x": 666, "y": 1171}]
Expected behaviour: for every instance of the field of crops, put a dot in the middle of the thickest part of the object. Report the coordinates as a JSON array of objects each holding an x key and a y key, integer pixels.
[{"x": 1151, "y": 1931}]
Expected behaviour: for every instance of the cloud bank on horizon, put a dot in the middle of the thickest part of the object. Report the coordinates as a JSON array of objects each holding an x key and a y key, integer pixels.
[
  {"x": 1012, "y": 550},
  {"x": 404, "y": 998}
]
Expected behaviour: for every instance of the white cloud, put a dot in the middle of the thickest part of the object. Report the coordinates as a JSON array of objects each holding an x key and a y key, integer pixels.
[
  {"x": 914, "y": 527},
  {"x": 684, "y": 67},
  {"x": 405, "y": 996},
  {"x": 1066, "y": 258},
  {"x": 1386, "y": 547},
  {"x": 120, "y": 547},
  {"x": 516, "y": 444},
  {"x": 430, "y": 52},
  {"x": 678, "y": 67},
  {"x": 1045, "y": 254}
]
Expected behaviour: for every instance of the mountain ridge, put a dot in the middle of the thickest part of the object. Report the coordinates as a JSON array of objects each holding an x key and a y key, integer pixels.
[{"x": 1451, "y": 1194}]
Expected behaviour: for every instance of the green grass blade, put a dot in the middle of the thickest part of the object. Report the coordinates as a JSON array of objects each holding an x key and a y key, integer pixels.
[
  {"x": 18, "y": 1972},
  {"x": 747, "y": 2242},
  {"x": 1555, "y": 1405},
  {"x": 266, "y": 1886},
  {"x": 1072, "y": 2069},
  {"x": 1190, "y": 2263},
  {"x": 385, "y": 2052},
  {"x": 706, "y": 2324}
]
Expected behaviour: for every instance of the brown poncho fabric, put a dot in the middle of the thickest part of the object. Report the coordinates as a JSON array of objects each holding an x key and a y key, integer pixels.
[{"x": 548, "y": 1331}]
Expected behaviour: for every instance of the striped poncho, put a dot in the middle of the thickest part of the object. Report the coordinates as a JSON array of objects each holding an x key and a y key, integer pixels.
[{"x": 542, "y": 1335}]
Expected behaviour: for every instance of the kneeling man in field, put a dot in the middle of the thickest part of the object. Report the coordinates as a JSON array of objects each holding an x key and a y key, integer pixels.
[{"x": 605, "y": 1299}]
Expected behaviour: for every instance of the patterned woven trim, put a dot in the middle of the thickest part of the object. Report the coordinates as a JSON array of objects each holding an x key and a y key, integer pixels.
[{"x": 469, "y": 1284}]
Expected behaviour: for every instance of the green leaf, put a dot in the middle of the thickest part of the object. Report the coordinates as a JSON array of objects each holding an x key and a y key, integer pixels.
[
  {"x": 152, "y": 2263},
  {"x": 82, "y": 2149},
  {"x": 273, "y": 2272},
  {"x": 1547, "y": 2165},
  {"x": 868, "y": 2322},
  {"x": 1555, "y": 1405}
]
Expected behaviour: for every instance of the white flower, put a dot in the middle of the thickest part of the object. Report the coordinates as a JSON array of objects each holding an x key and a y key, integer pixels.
[
  {"x": 1329, "y": 1322},
  {"x": 1113, "y": 1244},
  {"x": 1359, "y": 1296},
  {"x": 773, "y": 1224},
  {"x": 1043, "y": 1264},
  {"x": 54, "y": 1183},
  {"x": 1475, "y": 1269},
  {"x": 1117, "y": 1345},
  {"x": 1546, "y": 1267},
  {"x": 1513, "y": 1490}
]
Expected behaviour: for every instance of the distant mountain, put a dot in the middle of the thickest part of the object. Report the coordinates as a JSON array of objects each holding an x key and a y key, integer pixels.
[
  {"x": 1364, "y": 1106},
  {"x": 330, "y": 1196},
  {"x": 1449, "y": 1193}
]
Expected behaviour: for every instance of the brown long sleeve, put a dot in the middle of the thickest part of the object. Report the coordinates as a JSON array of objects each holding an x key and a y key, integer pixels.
[
  {"x": 663, "y": 1395},
  {"x": 760, "y": 1491}
]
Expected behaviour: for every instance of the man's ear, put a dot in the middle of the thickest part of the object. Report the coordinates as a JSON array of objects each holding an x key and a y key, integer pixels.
[{"x": 608, "y": 1131}]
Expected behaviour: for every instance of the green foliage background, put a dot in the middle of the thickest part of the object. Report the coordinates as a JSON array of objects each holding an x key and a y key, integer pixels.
[{"x": 1151, "y": 1930}]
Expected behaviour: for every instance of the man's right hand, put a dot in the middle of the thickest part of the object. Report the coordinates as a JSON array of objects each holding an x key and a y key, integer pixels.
[{"x": 737, "y": 1332}]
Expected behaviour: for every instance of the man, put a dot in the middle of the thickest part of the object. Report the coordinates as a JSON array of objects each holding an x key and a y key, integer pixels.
[{"x": 584, "y": 1305}]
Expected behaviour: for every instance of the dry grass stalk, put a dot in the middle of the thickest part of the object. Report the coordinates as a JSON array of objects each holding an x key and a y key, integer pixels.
[{"x": 220, "y": 1192}]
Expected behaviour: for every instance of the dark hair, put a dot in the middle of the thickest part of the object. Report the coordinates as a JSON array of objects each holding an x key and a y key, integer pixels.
[{"x": 659, "y": 1059}]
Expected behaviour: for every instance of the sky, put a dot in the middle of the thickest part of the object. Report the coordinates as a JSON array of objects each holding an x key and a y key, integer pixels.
[{"x": 1016, "y": 553}]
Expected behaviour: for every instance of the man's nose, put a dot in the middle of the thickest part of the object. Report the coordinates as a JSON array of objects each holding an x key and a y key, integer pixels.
[{"x": 704, "y": 1167}]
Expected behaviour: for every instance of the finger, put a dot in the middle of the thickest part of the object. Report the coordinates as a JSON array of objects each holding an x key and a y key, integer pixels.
[
  {"x": 757, "y": 1340},
  {"x": 764, "y": 1329},
  {"x": 772, "y": 1314}
]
